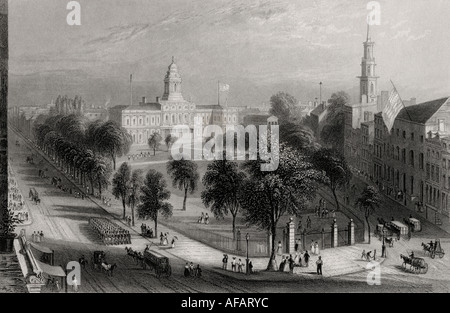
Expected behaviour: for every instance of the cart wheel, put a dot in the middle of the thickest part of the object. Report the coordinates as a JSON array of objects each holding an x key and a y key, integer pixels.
[
  {"x": 433, "y": 255},
  {"x": 441, "y": 255},
  {"x": 425, "y": 268},
  {"x": 169, "y": 271}
]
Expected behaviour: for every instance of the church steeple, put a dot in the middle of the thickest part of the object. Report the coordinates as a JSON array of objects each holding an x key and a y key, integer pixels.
[
  {"x": 368, "y": 78},
  {"x": 172, "y": 83}
]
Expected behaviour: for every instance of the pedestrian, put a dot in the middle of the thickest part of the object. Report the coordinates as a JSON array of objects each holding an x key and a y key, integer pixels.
[
  {"x": 41, "y": 236},
  {"x": 233, "y": 264},
  {"x": 312, "y": 247},
  {"x": 198, "y": 271},
  {"x": 239, "y": 264},
  {"x": 306, "y": 258},
  {"x": 161, "y": 239},
  {"x": 280, "y": 248},
  {"x": 37, "y": 237},
  {"x": 363, "y": 254},
  {"x": 282, "y": 264},
  {"x": 383, "y": 251},
  {"x": 291, "y": 264},
  {"x": 191, "y": 269},
  {"x": 206, "y": 219},
  {"x": 250, "y": 267},
  {"x": 225, "y": 262},
  {"x": 186, "y": 270},
  {"x": 33, "y": 237},
  {"x": 308, "y": 222},
  {"x": 319, "y": 263},
  {"x": 75, "y": 283},
  {"x": 374, "y": 254},
  {"x": 173, "y": 242},
  {"x": 316, "y": 248},
  {"x": 296, "y": 245}
]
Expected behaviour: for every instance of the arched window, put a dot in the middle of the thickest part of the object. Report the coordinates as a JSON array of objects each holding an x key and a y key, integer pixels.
[{"x": 372, "y": 88}]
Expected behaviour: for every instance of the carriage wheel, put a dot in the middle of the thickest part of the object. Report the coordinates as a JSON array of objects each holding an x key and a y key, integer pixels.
[
  {"x": 425, "y": 268},
  {"x": 441, "y": 255},
  {"x": 169, "y": 271},
  {"x": 433, "y": 254}
]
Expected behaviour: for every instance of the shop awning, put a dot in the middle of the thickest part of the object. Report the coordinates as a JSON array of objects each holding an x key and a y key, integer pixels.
[{"x": 55, "y": 271}]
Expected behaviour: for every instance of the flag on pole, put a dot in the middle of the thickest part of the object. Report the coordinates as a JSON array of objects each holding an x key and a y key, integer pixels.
[
  {"x": 131, "y": 78},
  {"x": 224, "y": 87},
  {"x": 392, "y": 108}
]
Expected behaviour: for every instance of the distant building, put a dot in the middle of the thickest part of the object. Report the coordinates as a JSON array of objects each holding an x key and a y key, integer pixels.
[
  {"x": 170, "y": 110},
  {"x": 93, "y": 114}
]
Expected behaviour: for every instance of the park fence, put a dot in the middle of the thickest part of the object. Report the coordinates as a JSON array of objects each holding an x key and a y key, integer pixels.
[{"x": 257, "y": 245}]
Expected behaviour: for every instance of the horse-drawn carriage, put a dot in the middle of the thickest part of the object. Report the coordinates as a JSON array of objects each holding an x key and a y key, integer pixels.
[
  {"x": 433, "y": 249},
  {"x": 97, "y": 259},
  {"x": 34, "y": 195},
  {"x": 414, "y": 224},
  {"x": 157, "y": 262},
  {"x": 98, "y": 262},
  {"x": 417, "y": 265}
]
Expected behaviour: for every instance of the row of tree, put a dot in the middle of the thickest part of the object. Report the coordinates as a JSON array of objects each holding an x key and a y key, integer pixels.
[{"x": 83, "y": 149}]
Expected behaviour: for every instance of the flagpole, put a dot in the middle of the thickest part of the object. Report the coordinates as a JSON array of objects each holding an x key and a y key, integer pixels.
[
  {"x": 401, "y": 100},
  {"x": 131, "y": 89},
  {"x": 218, "y": 92}
]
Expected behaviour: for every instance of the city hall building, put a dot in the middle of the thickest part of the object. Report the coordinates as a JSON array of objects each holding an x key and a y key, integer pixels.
[{"x": 146, "y": 118}]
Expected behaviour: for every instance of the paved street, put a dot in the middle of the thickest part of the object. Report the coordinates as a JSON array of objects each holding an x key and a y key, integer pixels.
[{"x": 64, "y": 220}]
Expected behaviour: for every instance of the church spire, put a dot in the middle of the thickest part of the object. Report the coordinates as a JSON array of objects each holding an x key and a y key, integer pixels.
[{"x": 368, "y": 78}]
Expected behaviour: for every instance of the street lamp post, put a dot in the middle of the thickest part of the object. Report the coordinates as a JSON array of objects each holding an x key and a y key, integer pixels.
[{"x": 247, "y": 237}]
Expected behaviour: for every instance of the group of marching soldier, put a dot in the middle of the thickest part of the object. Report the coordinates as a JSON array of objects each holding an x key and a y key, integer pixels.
[{"x": 110, "y": 233}]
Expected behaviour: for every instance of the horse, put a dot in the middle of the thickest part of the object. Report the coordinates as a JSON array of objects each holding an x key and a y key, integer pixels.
[
  {"x": 390, "y": 241},
  {"x": 415, "y": 263},
  {"x": 108, "y": 268},
  {"x": 426, "y": 248}
]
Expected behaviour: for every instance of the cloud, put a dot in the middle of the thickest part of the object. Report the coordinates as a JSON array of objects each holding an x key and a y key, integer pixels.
[{"x": 119, "y": 34}]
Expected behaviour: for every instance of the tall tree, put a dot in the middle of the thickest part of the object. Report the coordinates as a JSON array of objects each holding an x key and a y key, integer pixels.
[
  {"x": 136, "y": 182},
  {"x": 368, "y": 202},
  {"x": 121, "y": 184},
  {"x": 267, "y": 196},
  {"x": 299, "y": 137},
  {"x": 184, "y": 176},
  {"x": 169, "y": 140},
  {"x": 154, "y": 141},
  {"x": 222, "y": 182},
  {"x": 112, "y": 140},
  {"x": 336, "y": 170},
  {"x": 332, "y": 133},
  {"x": 154, "y": 194},
  {"x": 283, "y": 106}
]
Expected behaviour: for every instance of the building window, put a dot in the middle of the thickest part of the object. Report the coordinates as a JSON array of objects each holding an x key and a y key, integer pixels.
[
  {"x": 412, "y": 185},
  {"x": 404, "y": 156},
  {"x": 398, "y": 132},
  {"x": 412, "y": 136},
  {"x": 428, "y": 171},
  {"x": 421, "y": 138},
  {"x": 432, "y": 172},
  {"x": 421, "y": 161},
  {"x": 441, "y": 125},
  {"x": 411, "y": 158},
  {"x": 404, "y": 134}
]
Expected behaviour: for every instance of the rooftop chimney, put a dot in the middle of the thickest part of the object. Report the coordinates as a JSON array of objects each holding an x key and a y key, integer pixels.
[
  {"x": 144, "y": 100},
  {"x": 157, "y": 99}
]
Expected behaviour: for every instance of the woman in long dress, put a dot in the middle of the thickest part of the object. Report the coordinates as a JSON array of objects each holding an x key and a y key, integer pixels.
[
  {"x": 313, "y": 250},
  {"x": 279, "y": 249},
  {"x": 317, "y": 248}
]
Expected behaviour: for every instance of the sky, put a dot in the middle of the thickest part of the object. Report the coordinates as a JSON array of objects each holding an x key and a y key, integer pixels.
[{"x": 258, "y": 47}]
